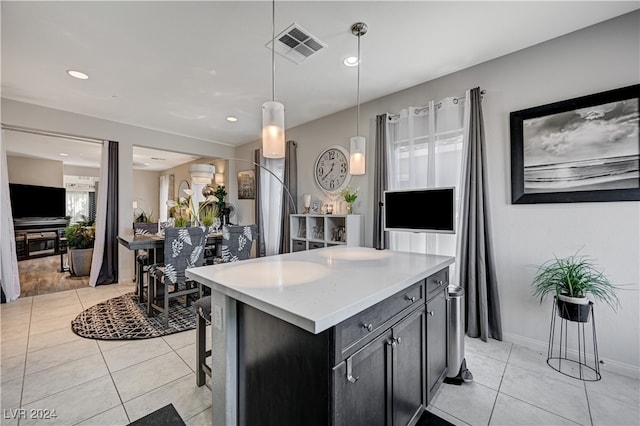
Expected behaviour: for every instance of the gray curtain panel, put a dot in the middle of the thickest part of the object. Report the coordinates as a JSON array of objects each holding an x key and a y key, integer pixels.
[
  {"x": 379, "y": 181},
  {"x": 476, "y": 261},
  {"x": 291, "y": 183},
  {"x": 109, "y": 269}
]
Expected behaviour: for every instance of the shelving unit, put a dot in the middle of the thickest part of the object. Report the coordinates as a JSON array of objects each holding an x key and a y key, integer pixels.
[{"x": 312, "y": 231}]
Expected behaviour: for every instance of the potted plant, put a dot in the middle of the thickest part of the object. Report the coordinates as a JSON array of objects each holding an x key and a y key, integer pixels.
[
  {"x": 144, "y": 223},
  {"x": 80, "y": 240},
  {"x": 571, "y": 279},
  {"x": 350, "y": 197},
  {"x": 185, "y": 212}
]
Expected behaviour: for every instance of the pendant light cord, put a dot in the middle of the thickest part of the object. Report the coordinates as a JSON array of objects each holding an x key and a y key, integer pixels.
[
  {"x": 358, "y": 92},
  {"x": 273, "y": 45}
]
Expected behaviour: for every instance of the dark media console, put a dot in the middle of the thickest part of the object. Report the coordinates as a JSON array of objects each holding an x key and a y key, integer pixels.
[{"x": 38, "y": 236}]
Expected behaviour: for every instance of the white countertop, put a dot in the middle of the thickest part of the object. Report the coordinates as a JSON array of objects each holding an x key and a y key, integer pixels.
[{"x": 317, "y": 289}]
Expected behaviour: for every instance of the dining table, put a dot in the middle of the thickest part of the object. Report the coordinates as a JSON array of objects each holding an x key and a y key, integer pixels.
[{"x": 153, "y": 244}]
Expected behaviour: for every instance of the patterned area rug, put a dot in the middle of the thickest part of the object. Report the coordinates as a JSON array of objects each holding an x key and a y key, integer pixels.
[{"x": 123, "y": 318}]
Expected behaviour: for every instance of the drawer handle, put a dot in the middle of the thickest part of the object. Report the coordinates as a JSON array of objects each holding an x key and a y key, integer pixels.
[
  {"x": 368, "y": 327},
  {"x": 411, "y": 299},
  {"x": 430, "y": 313},
  {"x": 350, "y": 376},
  {"x": 439, "y": 282}
]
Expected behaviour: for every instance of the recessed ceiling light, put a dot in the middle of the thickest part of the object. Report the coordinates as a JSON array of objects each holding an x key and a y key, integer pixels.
[
  {"x": 77, "y": 74},
  {"x": 64, "y": 154},
  {"x": 147, "y": 164},
  {"x": 232, "y": 119},
  {"x": 351, "y": 61}
]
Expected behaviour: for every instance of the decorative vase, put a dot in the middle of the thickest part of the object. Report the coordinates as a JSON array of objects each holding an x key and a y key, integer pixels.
[
  {"x": 80, "y": 261},
  {"x": 349, "y": 208}
]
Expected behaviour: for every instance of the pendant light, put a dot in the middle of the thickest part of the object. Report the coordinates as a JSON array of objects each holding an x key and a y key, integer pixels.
[
  {"x": 357, "y": 154},
  {"x": 273, "y": 112}
]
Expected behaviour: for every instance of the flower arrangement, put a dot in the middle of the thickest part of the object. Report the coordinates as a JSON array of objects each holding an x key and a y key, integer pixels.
[
  {"x": 186, "y": 210},
  {"x": 350, "y": 197},
  {"x": 140, "y": 216}
]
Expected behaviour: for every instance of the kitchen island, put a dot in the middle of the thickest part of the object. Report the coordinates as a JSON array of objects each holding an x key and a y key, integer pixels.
[{"x": 339, "y": 335}]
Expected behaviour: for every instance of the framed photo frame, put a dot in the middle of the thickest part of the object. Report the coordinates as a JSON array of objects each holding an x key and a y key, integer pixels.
[
  {"x": 246, "y": 185},
  {"x": 584, "y": 149}
]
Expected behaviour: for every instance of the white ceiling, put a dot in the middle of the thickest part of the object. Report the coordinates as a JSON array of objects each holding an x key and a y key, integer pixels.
[{"x": 182, "y": 67}]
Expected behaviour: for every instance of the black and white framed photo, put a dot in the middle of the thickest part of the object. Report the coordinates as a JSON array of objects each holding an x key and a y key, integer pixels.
[
  {"x": 246, "y": 185},
  {"x": 584, "y": 149}
]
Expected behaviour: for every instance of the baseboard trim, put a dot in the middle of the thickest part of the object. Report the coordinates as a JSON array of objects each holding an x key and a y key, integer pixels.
[{"x": 605, "y": 364}]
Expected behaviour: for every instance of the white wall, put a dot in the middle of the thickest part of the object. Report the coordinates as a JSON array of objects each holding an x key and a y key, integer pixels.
[
  {"x": 146, "y": 192},
  {"x": 602, "y": 57},
  {"x": 35, "y": 171},
  {"x": 33, "y": 116}
]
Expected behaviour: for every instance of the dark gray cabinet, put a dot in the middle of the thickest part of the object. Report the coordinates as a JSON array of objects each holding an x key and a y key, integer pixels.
[
  {"x": 372, "y": 369},
  {"x": 408, "y": 347},
  {"x": 436, "y": 317},
  {"x": 383, "y": 382},
  {"x": 361, "y": 384}
]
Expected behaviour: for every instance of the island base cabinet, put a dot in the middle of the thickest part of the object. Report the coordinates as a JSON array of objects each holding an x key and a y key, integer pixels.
[
  {"x": 283, "y": 372},
  {"x": 288, "y": 376}
]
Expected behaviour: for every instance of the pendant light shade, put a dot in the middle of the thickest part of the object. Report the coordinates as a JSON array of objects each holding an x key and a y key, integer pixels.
[
  {"x": 357, "y": 155},
  {"x": 201, "y": 173},
  {"x": 358, "y": 143},
  {"x": 273, "y": 112},
  {"x": 273, "y": 130}
]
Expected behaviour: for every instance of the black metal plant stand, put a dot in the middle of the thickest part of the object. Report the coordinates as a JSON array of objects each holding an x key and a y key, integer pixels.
[{"x": 586, "y": 368}]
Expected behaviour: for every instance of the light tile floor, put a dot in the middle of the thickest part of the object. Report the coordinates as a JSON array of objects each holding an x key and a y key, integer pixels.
[{"x": 45, "y": 366}]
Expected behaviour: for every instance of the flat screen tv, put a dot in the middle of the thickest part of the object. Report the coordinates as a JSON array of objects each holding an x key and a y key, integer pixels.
[
  {"x": 37, "y": 201},
  {"x": 420, "y": 210}
]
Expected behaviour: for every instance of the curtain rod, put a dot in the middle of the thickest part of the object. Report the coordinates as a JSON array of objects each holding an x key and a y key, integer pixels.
[
  {"x": 426, "y": 107},
  {"x": 49, "y": 133}
]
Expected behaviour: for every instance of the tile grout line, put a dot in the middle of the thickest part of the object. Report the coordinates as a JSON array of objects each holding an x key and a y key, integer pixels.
[
  {"x": 500, "y": 384},
  {"x": 26, "y": 353}
]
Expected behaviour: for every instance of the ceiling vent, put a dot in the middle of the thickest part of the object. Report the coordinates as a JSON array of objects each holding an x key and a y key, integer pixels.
[{"x": 296, "y": 44}]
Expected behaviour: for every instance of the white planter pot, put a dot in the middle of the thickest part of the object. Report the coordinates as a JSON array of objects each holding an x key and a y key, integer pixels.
[{"x": 574, "y": 300}]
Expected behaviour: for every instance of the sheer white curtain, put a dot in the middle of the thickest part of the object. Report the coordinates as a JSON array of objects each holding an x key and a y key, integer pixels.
[
  {"x": 77, "y": 205},
  {"x": 164, "y": 197},
  {"x": 9, "y": 273},
  {"x": 271, "y": 203},
  {"x": 101, "y": 216},
  {"x": 424, "y": 150}
]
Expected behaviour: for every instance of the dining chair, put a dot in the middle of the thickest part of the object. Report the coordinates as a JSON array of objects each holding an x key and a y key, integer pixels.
[
  {"x": 183, "y": 248},
  {"x": 237, "y": 244}
]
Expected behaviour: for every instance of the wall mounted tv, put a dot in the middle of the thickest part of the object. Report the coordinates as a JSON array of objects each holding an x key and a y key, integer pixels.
[
  {"x": 37, "y": 201},
  {"x": 420, "y": 210}
]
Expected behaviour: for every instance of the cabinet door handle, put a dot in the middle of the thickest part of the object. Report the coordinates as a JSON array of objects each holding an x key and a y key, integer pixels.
[
  {"x": 430, "y": 313},
  {"x": 411, "y": 299},
  {"x": 350, "y": 376},
  {"x": 368, "y": 327},
  {"x": 394, "y": 341},
  {"x": 439, "y": 282}
]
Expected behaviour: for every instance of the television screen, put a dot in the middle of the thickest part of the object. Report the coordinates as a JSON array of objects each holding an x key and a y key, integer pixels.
[
  {"x": 37, "y": 201},
  {"x": 420, "y": 210}
]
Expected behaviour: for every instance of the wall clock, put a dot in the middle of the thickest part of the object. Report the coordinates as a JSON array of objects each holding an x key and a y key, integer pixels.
[{"x": 332, "y": 169}]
